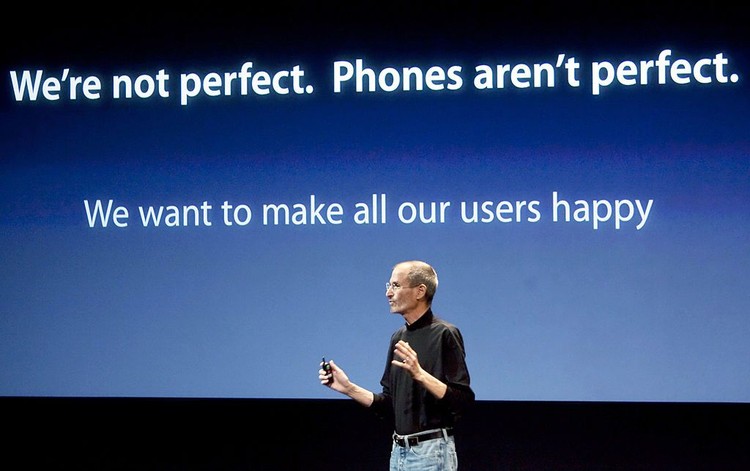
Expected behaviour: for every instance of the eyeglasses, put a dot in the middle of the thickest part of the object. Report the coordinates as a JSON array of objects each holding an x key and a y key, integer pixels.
[{"x": 395, "y": 286}]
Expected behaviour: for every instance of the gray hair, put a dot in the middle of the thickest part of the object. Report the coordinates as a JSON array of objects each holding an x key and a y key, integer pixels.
[{"x": 421, "y": 273}]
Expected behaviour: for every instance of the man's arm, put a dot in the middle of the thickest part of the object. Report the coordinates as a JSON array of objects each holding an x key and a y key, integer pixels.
[
  {"x": 341, "y": 383},
  {"x": 410, "y": 362}
]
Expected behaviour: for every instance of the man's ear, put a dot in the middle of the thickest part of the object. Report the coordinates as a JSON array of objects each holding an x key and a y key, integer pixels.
[{"x": 422, "y": 291}]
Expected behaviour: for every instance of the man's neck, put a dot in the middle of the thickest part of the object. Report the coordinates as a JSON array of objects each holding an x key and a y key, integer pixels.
[{"x": 413, "y": 316}]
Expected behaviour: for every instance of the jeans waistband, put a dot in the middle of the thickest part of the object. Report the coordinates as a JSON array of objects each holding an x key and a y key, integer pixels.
[{"x": 414, "y": 439}]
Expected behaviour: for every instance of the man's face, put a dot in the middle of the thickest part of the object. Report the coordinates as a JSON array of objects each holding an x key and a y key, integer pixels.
[{"x": 401, "y": 297}]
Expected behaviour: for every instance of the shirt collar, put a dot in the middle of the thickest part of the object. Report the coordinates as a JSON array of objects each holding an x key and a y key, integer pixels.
[{"x": 424, "y": 319}]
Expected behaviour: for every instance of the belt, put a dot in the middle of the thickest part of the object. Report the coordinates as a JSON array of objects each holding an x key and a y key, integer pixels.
[{"x": 417, "y": 438}]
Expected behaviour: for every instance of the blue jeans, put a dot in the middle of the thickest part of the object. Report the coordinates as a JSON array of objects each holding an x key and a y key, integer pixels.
[{"x": 438, "y": 454}]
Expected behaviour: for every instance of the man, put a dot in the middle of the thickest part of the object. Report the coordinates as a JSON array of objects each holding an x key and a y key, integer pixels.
[{"x": 425, "y": 385}]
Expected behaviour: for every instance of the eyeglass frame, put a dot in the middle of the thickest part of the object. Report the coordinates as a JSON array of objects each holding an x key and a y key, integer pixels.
[{"x": 395, "y": 286}]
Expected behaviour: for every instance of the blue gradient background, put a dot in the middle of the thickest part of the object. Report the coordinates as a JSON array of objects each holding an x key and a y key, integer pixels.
[{"x": 549, "y": 310}]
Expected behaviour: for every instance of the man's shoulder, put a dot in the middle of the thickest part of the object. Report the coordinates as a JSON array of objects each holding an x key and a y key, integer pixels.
[
  {"x": 398, "y": 334},
  {"x": 440, "y": 323},
  {"x": 446, "y": 330}
]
